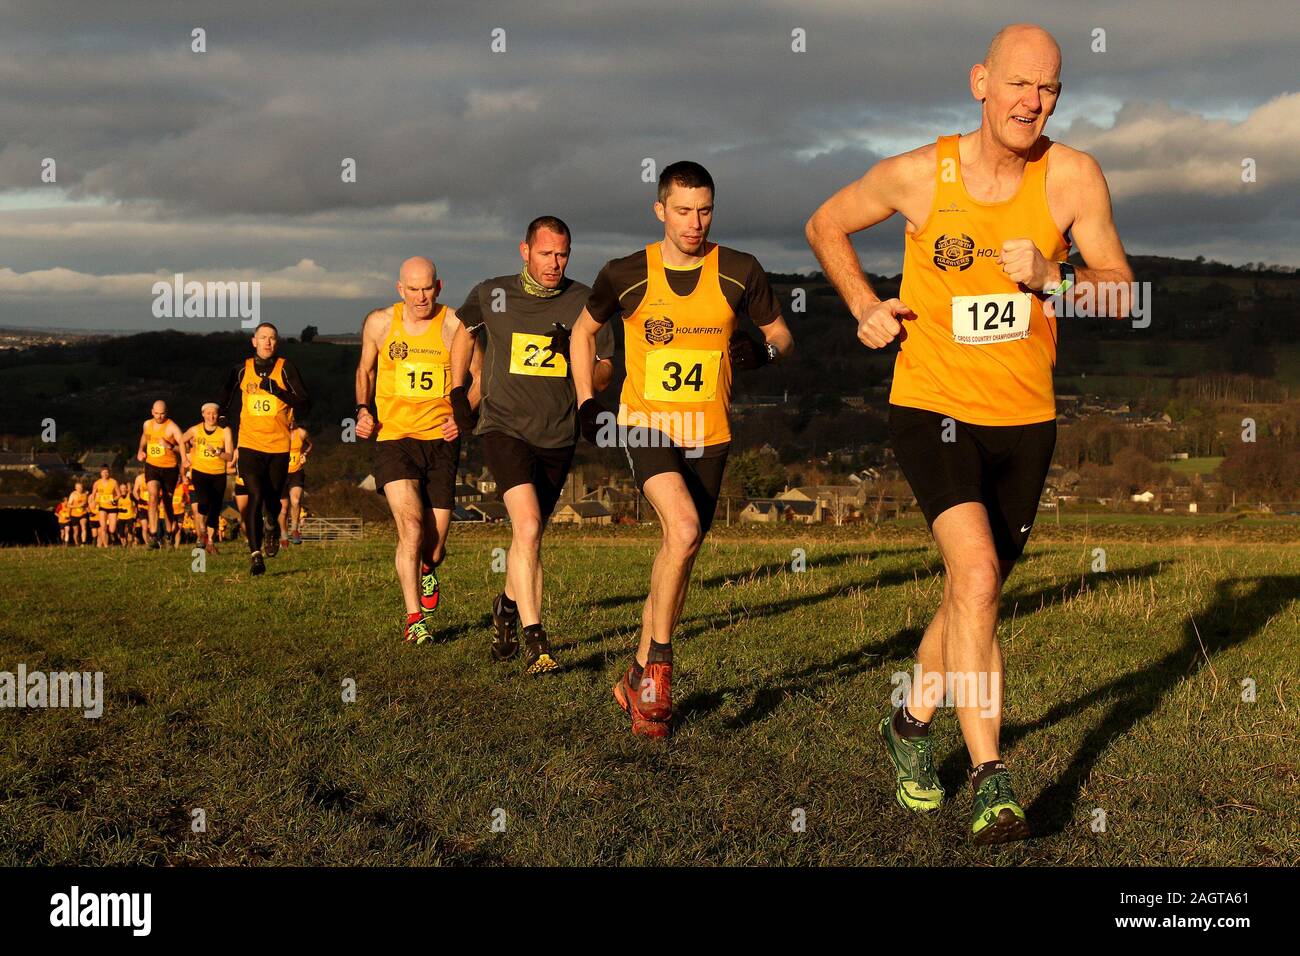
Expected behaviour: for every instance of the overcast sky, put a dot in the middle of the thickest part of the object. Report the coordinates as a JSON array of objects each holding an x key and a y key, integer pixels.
[{"x": 225, "y": 165}]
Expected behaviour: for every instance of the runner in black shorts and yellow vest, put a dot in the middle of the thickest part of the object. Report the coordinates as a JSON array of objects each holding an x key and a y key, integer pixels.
[
  {"x": 402, "y": 389},
  {"x": 267, "y": 388},
  {"x": 679, "y": 300},
  {"x": 516, "y": 328},
  {"x": 296, "y": 483},
  {"x": 212, "y": 450},
  {"x": 164, "y": 457},
  {"x": 990, "y": 216}
]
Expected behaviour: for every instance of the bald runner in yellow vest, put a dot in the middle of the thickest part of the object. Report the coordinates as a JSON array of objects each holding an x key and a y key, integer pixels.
[
  {"x": 212, "y": 448},
  {"x": 989, "y": 219},
  {"x": 402, "y": 389},
  {"x": 680, "y": 301},
  {"x": 164, "y": 457},
  {"x": 265, "y": 388}
]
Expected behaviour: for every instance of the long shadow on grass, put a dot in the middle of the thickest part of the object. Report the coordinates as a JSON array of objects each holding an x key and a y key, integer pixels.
[
  {"x": 753, "y": 575},
  {"x": 1230, "y": 620},
  {"x": 770, "y": 696},
  {"x": 1024, "y": 603},
  {"x": 708, "y": 622}
]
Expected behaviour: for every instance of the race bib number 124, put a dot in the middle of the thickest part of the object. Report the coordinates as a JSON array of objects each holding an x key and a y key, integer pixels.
[{"x": 986, "y": 319}]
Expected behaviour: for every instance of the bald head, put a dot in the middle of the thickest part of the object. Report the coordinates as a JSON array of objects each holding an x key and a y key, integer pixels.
[
  {"x": 418, "y": 285},
  {"x": 417, "y": 270},
  {"x": 1018, "y": 38}
]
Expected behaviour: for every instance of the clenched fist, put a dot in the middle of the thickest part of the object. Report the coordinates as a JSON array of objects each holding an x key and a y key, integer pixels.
[
  {"x": 365, "y": 424},
  {"x": 880, "y": 323},
  {"x": 1023, "y": 263}
]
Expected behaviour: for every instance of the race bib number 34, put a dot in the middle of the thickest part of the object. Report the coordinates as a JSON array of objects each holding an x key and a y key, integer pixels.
[
  {"x": 531, "y": 355},
  {"x": 682, "y": 375},
  {"x": 419, "y": 380},
  {"x": 985, "y": 319}
]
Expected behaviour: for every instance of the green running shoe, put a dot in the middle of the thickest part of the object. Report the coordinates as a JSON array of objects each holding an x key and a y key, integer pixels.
[
  {"x": 417, "y": 632},
  {"x": 918, "y": 785},
  {"x": 997, "y": 817},
  {"x": 428, "y": 591}
]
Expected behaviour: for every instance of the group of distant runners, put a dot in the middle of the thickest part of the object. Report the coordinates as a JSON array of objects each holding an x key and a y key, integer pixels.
[
  {"x": 179, "y": 495},
  {"x": 990, "y": 217}
]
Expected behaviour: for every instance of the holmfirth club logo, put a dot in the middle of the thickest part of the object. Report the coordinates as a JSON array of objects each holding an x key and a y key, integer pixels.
[
  {"x": 954, "y": 252},
  {"x": 659, "y": 331},
  {"x": 397, "y": 350}
]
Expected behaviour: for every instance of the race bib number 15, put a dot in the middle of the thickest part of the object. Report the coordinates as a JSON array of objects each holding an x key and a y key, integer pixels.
[
  {"x": 419, "y": 380},
  {"x": 532, "y": 355},
  {"x": 985, "y": 319}
]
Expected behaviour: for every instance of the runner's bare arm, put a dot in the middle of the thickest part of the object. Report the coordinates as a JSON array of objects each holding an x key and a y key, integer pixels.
[
  {"x": 582, "y": 355},
  {"x": 228, "y": 454},
  {"x": 174, "y": 434},
  {"x": 858, "y": 206},
  {"x": 462, "y": 351},
  {"x": 144, "y": 440},
  {"x": 373, "y": 330},
  {"x": 777, "y": 333},
  {"x": 1094, "y": 232}
]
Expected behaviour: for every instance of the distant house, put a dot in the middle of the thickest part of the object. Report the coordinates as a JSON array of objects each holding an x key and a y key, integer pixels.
[
  {"x": 1143, "y": 498},
  {"x": 618, "y": 500},
  {"x": 490, "y": 510},
  {"x": 460, "y": 513},
  {"x": 771, "y": 510},
  {"x": 834, "y": 502},
  {"x": 467, "y": 493},
  {"x": 583, "y": 512},
  {"x": 38, "y": 464},
  {"x": 92, "y": 461}
]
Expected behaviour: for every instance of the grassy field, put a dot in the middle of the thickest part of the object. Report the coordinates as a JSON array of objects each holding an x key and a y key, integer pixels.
[{"x": 225, "y": 693}]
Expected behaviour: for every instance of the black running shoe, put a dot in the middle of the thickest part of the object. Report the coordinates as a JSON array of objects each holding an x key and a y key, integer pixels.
[
  {"x": 255, "y": 563},
  {"x": 505, "y": 643},
  {"x": 537, "y": 652},
  {"x": 272, "y": 543}
]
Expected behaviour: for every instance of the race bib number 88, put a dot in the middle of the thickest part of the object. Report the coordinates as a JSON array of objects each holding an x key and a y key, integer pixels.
[
  {"x": 531, "y": 355},
  {"x": 985, "y": 319},
  {"x": 682, "y": 375}
]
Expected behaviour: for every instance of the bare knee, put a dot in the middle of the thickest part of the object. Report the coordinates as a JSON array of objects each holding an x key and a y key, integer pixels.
[
  {"x": 527, "y": 532},
  {"x": 683, "y": 536},
  {"x": 975, "y": 585}
]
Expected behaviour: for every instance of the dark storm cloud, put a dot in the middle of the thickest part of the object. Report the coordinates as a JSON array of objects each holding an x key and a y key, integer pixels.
[{"x": 231, "y": 159}]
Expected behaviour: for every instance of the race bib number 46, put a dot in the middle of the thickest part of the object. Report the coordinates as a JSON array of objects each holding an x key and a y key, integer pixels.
[
  {"x": 419, "y": 380},
  {"x": 985, "y": 319},
  {"x": 532, "y": 355},
  {"x": 262, "y": 404},
  {"x": 682, "y": 375}
]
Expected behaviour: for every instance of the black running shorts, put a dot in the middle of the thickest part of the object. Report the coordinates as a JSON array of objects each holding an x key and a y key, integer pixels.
[
  {"x": 164, "y": 476},
  {"x": 948, "y": 462},
  {"x": 296, "y": 479},
  {"x": 515, "y": 462},
  {"x": 703, "y": 475},
  {"x": 431, "y": 464}
]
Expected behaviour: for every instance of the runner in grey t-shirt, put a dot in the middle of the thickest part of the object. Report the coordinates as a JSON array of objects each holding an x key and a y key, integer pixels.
[{"x": 527, "y": 414}]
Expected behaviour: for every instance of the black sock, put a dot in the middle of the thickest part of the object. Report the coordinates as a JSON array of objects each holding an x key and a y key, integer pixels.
[
  {"x": 508, "y": 606},
  {"x": 534, "y": 634},
  {"x": 979, "y": 774},
  {"x": 907, "y": 726},
  {"x": 660, "y": 654}
]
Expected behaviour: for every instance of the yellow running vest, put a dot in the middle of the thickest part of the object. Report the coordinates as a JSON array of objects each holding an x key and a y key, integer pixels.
[
  {"x": 207, "y": 450},
  {"x": 295, "y": 452},
  {"x": 263, "y": 419},
  {"x": 676, "y": 351},
  {"x": 158, "y": 450},
  {"x": 981, "y": 349},
  {"x": 412, "y": 381}
]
